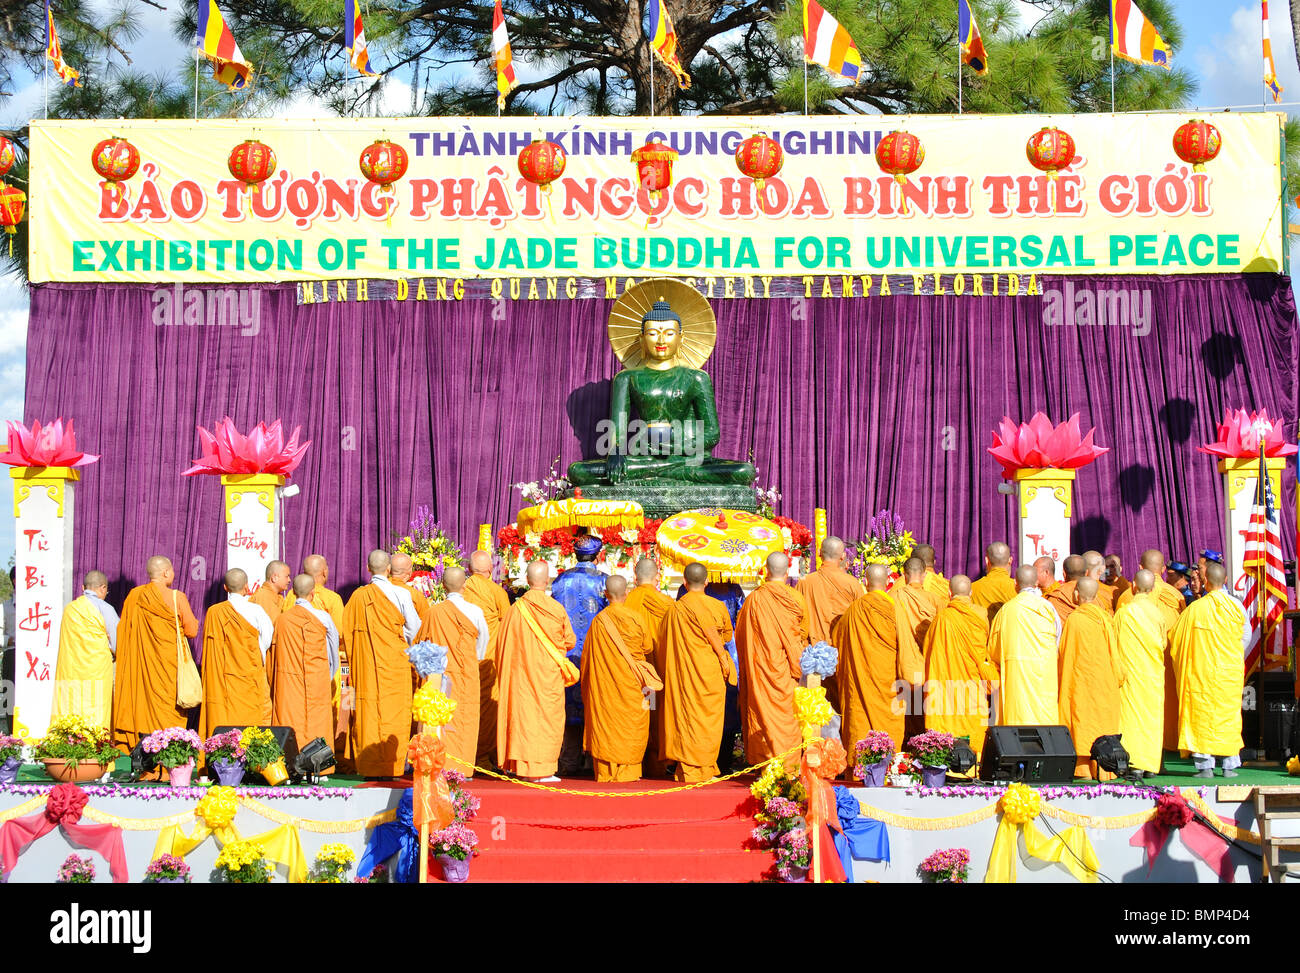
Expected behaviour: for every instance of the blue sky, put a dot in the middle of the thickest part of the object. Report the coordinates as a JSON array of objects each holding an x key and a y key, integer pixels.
[{"x": 1222, "y": 50}]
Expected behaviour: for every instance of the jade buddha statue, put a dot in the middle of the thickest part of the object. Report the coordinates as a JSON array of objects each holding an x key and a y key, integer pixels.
[{"x": 675, "y": 428}]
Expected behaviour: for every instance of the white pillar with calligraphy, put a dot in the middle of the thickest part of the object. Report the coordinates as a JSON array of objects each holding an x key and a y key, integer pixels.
[
  {"x": 253, "y": 519},
  {"x": 1046, "y": 504},
  {"x": 43, "y": 584},
  {"x": 1240, "y": 481}
]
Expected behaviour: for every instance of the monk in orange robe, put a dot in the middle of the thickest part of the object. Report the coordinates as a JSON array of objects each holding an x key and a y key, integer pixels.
[
  {"x": 1172, "y": 603},
  {"x": 447, "y": 625},
  {"x": 492, "y": 600},
  {"x": 996, "y": 588},
  {"x": 868, "y": 670},
  {"x": 323, "y": 599},
  {"x": 652, "y": 605},
  {"x": 305, "y": 660},
  {"x": 915, "y": 609},
  {"x": 696, "y": 670},
  {"x": 617, "y": 681},
  {"x": 1094, "y": 566},
  {"x": 532, "y": 673},
  {"x": 1089, "y": 677},
  {"x": 771, "y": 634},
  {"x": 270, "y": 595},
  {"x": 959, "y": 674},
  {"x": 828, "y": 592},
  {"x": 376, "y": 623},
  {"x": 1114, "y": 577},
  {"x": 932, "y": 581},
  {"x": 236, "y": 637},
  {"x": 403, "y": 568},
  {"x": 1061, "y": 596},
  {"x": 144, "y": 690}
]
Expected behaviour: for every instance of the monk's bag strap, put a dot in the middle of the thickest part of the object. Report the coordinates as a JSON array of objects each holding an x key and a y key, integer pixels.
[
  {"x": 645, "y": 673},
  {"x": 189, "y": 687},
  {"x": 568, "y": 671}
]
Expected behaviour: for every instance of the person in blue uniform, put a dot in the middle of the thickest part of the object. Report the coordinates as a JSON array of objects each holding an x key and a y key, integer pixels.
[{"x": 581, "y": 590}]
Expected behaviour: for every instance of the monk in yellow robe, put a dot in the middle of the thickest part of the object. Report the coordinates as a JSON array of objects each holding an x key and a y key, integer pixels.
[
  {"x": 1061, "y": 596},
  {"x": 1172, "y": 603},
  {"x": 448, "y": 624},
  {"x": 828, "y": 592},
  {"x": 236, "y": 637},
  {"x": 958, "y": 672},
  {"x": 1142, "y": 633},
  {"x": 771, "y": 634},
  {"x": 323, "y": 599},
  {"x": 379, "y": 622},
  {"x": 305, "y": 660},
  {"x": 872, "y": 694},
  {"x": 1208, "y": 645},
  {"x": 617, "y": 681},
  {"x": 492, "y": 600},
  {"x": 83, "y": 675},
  {"x": 933, "y": 581},
  {"x": 996, "y": 588},
  {"x": 154, "y": 617},
  {"x": 651, "y": 605},
  {"x": 1023, "y": 644},
  {"x": 696, "y": 670},
  {"x": 270, "y": 596},
  {"x": 1089, "y": 675},
  {"x": 532, "y": 672}
]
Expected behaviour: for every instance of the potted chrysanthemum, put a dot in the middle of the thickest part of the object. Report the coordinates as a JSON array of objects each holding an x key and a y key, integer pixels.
[
  {"x": 453, "y": 846},
  {"x": 175, "y": 748},
  {"x": 243, "y": 863},
  {"x": 932, "y": 750},
  {"x": 793, "y": 855},
  {"x": 11, "y": 758},
  {"x": 76, "y": 870},
  {"x": 332, "y": 864},
  {"x": 74, "y": 749},
  {"x": 945, "y": 866},
  {"x": 872, "y": 756},
  {"x": 263, "y": 755},
  {"x": 167, "y": 870},
  {"x": 225, "y": 756}
]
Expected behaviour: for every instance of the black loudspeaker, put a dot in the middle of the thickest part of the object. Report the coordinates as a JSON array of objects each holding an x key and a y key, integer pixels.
[
  {"x": 1033, "y": 754},
  {"x": 1278, "y": 729},
  {"x": 284, "y": 736}
]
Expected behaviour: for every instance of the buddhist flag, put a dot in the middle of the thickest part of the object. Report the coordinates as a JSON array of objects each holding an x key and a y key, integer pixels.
[
  {"x": 826, "y": 43},
  {"x": 1133, "y": 38},
  {"x": 1270, "y": 69},
  {"x": 968, "y": 36},
  {"x": 663, "y": 39},
  {"x": 215, "y": 42},
  {"x": 54, "y": 53},
  {"x": 501, "y": 56},
  {"x": 354, "y": 38}
]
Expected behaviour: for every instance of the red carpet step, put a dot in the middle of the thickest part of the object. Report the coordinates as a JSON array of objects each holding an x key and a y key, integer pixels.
[{"x": 698, "y": 835}]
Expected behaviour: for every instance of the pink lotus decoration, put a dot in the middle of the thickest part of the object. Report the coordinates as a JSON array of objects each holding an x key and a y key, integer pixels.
[
  {"x": 1239, "y": 435},
  {"x": 1036, "y": 445},
  {"x": 263, "y": 450},
  {"x": 48, "y": 445}
]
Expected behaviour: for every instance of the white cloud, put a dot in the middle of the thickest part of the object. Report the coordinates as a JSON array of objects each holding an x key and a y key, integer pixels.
[
  {"x": 1231, "y": 71},
  {"x": 13, "y": 331}
]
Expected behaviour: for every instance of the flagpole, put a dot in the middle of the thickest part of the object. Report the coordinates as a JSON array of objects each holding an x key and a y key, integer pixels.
[
  {"x": 805, "y": 77},
  {"x": 46, "y": 85},
  {"x": 650, "y": 51},
  {"x": 959, "y": 74},
  {"x": 196, "y": 81},
  {"x": 1263, "y": 85},
  {"x": 1112, "y": 59}
]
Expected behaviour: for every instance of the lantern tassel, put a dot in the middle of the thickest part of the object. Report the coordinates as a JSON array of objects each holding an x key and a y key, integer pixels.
[
  {"x": 546, "y": 191},
  {"x": 761, "y": 195},
  {"x": 902, "y": 197}
]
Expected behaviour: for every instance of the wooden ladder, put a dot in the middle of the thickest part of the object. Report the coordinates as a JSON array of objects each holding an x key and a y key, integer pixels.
[{"x": 1276, "y": 804}]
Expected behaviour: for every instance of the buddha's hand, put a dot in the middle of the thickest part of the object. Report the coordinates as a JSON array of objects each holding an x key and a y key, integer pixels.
[{"x": 615, "y": 467}]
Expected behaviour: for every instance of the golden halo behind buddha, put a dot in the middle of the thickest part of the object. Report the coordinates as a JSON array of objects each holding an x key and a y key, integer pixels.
[{"x": 699, "y": 327}]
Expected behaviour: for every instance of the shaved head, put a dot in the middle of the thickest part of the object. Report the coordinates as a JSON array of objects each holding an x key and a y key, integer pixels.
[
  {"x": 453, "y": 579},
  {"x": 236, "y": 581},
  {"x": 276, "y": 568},
  {"x": 1114, "y": 566},
  {"x": 157, "y": 567},
  {"x": 379, "y": 562},
  {"x": 1144, "y": 581},
  {"x": 303, "y": 586},
  {"x": 998, "y": 554},
  {"x": 1153, "y": 561},
  {"x": 538, "y": 574},
  {"x": 832, "y": 549},
  {"x": 926, "y": 553},
  {"x": 616, "y": 588},
  {"x": 480, "y": 562},
  {"x": 646, "y": 571},
  {"x": 1093, "y": 564},
  {"x": 959, "y": 585},
  {"x": 696, "y": 576},
  {"x": 1046, "y": 572},
  {"x": 93, "y": 580},
  {"x": 400, "y": 566},
  {"x": 778, "y": 566},
  {"x": 1085, "y": 590},
  {"x": 1027, "y": 575},
  {"x": 314, "y": 564},
  {"x": 913, "y": 569},
  {"x": 877, "y": 577},
  {"x": 1215, "y": 575},
  {"x": 1072, "y": 567}
]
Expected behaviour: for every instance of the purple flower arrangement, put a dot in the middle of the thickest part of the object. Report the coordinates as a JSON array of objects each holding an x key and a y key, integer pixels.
[
  {"x": 932, "y": 748},
  {"x": 793, "y": 854},
  {"x": 875, "y": 747},
  {"x": 780, "y": 815},
  {"x": 167, "y": 869},
  {"x": 161, "y": 792},
  {"x": 945, "y": 866},
  {"x": 76, "y": 870},
  {"x": 174, "y": 746},
  {"x": 464, "y": 804},
  {"x": 454, "y": 841},
  {"x": 224, "y": 746},
  {"x": 378, "y": 876},
  {"x": 10, "y": 748}
]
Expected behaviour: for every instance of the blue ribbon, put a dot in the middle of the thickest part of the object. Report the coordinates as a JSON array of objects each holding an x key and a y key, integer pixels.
[
  {"x": 398, "y": 837},
  {"x": 865, "y": 839}
]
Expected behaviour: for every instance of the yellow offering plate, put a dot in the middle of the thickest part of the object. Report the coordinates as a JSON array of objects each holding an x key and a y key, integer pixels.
[
  {"x": 577, "y": 512},
  {"x": 733, "y": 545}
]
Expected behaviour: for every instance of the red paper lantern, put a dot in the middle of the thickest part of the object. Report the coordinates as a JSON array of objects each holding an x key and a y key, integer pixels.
[
  {"x": 654, "y": 167},
  {"x": 6, "y": 155},
  {"x": 1197, "y": 142},
  {"x": 12, "y": 202},
  {"x": 116, "y": 160},
  {"x": 383, "y": 162},
  {"x": 252, "y": 163},
  {"x": 541, "y": 163},
  {"x": 1050, "y": 150},
  {"x": 760, "y": 158},
  {"x": 900, "y": 154}
]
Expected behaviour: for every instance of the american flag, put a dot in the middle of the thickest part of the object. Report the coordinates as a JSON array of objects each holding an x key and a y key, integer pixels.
[{"x": 1263, "y": 559}]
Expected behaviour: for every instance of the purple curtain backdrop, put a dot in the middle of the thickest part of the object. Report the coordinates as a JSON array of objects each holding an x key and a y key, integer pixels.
[{"x": 850, "y": 404}]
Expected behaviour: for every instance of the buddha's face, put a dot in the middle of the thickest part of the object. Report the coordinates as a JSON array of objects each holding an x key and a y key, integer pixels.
[{"x": 660, "y": 342}]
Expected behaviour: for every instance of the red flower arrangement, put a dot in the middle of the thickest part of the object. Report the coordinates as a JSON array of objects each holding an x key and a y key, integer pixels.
[
  {"x": 50, "y": 445},
  {"x": 1037, "y": 444},
  {"x": 1173, "y": 811},
  {"x": 1239, "y": 435}
]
